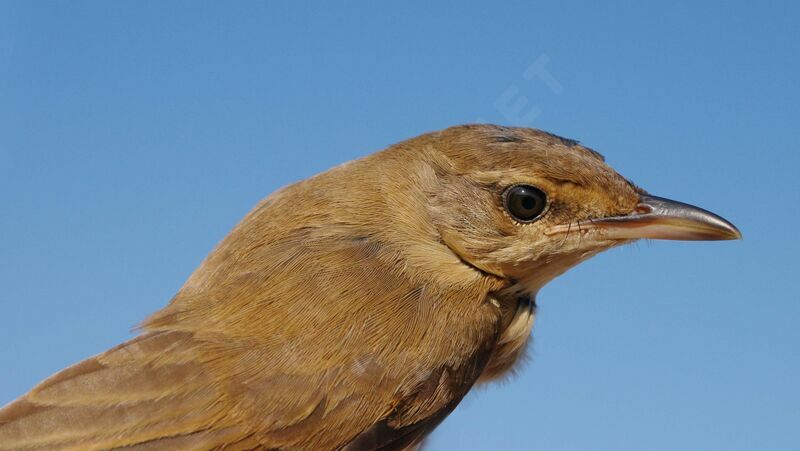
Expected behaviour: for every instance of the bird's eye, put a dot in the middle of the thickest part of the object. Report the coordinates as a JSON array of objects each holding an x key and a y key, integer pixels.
[{"x": 524, "y": 202}]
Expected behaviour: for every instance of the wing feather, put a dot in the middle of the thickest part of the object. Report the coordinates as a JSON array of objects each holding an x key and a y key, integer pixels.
[
  {"x": 307, "y": 332},
  {"x": 141, "y": 391}
]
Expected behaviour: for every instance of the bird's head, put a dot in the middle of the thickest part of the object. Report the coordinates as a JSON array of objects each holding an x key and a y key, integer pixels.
[
  {"x": 525, "y": 205},
  {"x": 429, "y": 234}
]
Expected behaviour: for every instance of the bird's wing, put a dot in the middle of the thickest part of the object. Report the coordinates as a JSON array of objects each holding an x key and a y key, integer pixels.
[
  {"x": 293, "y": 334},
  {"x": 153, "y": 392},
  {"x": 417, "y": 414},
  {"x": 150, "y": 390},
  {"x": 172, "y": 389},
  {"x": 323, "y": 341}
]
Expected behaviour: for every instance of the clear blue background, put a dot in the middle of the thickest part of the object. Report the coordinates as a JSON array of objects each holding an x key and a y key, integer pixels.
[{"x": 134, "y": 135}]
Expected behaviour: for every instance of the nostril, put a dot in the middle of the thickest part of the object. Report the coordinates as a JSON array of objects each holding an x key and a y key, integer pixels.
[{"x": 643, "y": 209}]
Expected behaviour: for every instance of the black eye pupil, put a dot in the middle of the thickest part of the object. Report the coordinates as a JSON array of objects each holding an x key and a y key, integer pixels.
[
  {"x": 525, "y": 203},
  {"x": 528, "y": 202}
]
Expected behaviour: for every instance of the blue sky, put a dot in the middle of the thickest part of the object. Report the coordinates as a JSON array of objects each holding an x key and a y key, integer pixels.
[{"x": 134, "y": 135}]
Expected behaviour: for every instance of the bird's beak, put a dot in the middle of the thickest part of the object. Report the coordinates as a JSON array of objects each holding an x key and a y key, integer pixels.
[{"x": 660, "y": 219}]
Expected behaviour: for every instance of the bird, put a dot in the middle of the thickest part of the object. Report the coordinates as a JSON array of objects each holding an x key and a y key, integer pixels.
[{"x": 355, "y": 309}]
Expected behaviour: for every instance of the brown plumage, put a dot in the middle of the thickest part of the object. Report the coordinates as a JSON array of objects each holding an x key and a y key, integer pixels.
[{"x": 355, "y": 309}]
